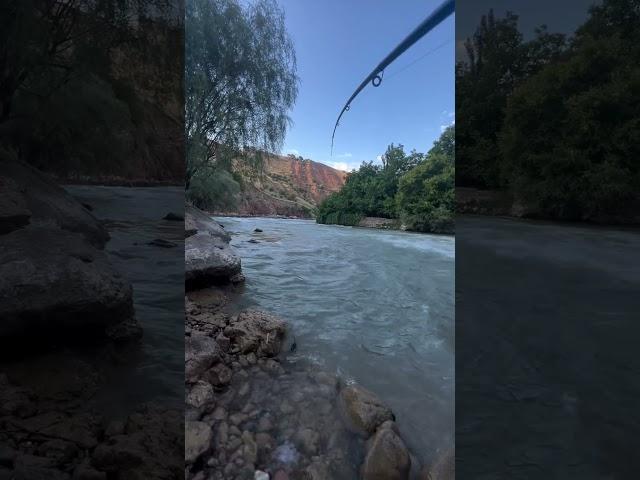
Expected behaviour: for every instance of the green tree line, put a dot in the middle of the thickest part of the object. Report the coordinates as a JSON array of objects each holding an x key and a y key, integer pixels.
[
  {"x": 554, "y": 120},
  {"x": 416, "y": 189}
]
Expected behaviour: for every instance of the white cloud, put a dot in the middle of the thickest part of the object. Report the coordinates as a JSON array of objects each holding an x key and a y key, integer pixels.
[
  {"x": 340, "y": 166},
  {"x": 294, "y": 151}
]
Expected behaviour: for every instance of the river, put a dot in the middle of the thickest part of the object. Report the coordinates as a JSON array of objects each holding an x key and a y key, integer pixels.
[
  {"x": 375, "y": 307},
  {"x": 134, "y": 217}
]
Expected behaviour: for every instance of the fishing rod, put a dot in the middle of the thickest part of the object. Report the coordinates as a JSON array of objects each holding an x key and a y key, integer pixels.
[{"x": 375, "y": 77}]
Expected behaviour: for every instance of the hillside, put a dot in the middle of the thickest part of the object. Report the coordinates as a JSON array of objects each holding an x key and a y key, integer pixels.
[{"x": 287, "y": 186}]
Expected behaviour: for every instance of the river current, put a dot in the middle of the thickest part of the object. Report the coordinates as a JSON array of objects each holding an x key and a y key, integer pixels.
[
  {"x": 376, "y": 307},
  {"x": 153, "y": 371}
]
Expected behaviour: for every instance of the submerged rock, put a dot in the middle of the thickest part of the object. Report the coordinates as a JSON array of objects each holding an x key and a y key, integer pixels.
[
  {"x": 258, "y": 332},
  {"x": 444, "y": 468},
  {"x": 197, "y": 440},
  {"x": 362, "y": 410},
  {"x": 387, "y": 456}
]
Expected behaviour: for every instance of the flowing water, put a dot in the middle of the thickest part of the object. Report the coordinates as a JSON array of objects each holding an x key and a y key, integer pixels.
[
  {"x": 134, "y": 217},
  {"x": 375, "y": 307}
]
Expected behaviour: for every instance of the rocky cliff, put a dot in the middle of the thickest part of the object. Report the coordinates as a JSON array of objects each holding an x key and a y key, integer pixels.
[{"x": 287, "y": 186}]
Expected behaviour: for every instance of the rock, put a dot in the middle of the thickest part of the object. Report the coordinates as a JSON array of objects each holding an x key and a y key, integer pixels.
[
  {"x": 63, "y": 287},
  {"x": 257, "y": 230},
  {"x": 387, "y": 456},
  {"x": 201, "y": 352},
  {"x": 152, "y": 447},
  {"x": 253, "y": 240},
  {"x": 87, "y": 472},
  {"x": 209, "y": 259},
  {"x": 362, "y": 411},
  {"x": 258, "y": 332},
  {"x": 444, "y": 468},
  {"x": 281, "y": 475},
  {"x": 317, "y": 471},
  {"x": 115, "y": 427},
  {"x": 237, "y": 278},
  {"x": 31, "y": 191},
  {"x": 161, "y": 242},
  {"x": 197, "y": 220},
  {"x": 200, "y": 395},
  {"x": 197, "y": 440},
  {"x": 61, "y": 451},
  {"x": 174, "y": 217},
  {"x": 14, "y": 213},
  {"x": 30, "y": 467},
  {"x": 223, "y": 342},
  {"x": 250, "y": 448},
  {"x": 7, "y": 456},
  {"x": 308, "y": 441},
  {"x": 219, "y": 375},
  {"x": 237, "y": 418},
  {"x": 260, "y": 475}
]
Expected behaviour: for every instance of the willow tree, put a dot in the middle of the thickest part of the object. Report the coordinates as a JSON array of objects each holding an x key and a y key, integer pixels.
[{"x": 240, "y": 82}]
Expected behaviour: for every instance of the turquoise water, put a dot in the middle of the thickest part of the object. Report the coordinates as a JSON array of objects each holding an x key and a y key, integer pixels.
[{"x": 376, "y": 307}]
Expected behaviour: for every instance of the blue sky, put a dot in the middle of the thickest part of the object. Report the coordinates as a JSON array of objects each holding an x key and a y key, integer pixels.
[{"x": 337, "y": 44}]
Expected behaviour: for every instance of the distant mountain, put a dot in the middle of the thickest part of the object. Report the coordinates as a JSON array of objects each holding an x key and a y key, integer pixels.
[{"x": 288, "y": 186}]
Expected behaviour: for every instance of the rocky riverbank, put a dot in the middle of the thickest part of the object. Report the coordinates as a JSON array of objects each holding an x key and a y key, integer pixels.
[
  {"x": 253, "y": 412},
  {"x": 66, "y": 319}
]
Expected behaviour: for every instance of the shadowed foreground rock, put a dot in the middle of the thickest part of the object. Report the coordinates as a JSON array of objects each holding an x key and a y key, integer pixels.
[{"x": 54, "y": 276}]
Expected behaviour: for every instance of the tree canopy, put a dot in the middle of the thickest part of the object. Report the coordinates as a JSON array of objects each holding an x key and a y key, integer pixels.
[
  {"x": 415, "y": 188},
  {"x": 240, "y": 82},
  {"x": 554, "y": 120}
]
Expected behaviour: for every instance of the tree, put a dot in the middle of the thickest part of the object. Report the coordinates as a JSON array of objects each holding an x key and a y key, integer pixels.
[
  {"x": 415, "y": 188},
  {"x": 497, "y": 62},
  {"x": 571, "y": 136},
  {"x": 240, "y": 82},
  {"x": 55, "y": 80}
]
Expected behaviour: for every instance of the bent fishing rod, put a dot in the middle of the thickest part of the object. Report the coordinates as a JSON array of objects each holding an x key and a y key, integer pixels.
[{"x": 375, "y": 77}]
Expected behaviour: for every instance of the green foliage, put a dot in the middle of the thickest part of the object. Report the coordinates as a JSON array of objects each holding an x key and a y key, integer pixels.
[
  {"x": 213, "y": 189},
  {"x": 556, "y": 122},
  {"x": 497, "y": 61},
  {"x": 59, "y": 107},
  {"x": 414, "y": 187},
  {"x": 425, "y": 197},
  {"x": 571, "y": 136},
  {"x": 240, "y": 82}
]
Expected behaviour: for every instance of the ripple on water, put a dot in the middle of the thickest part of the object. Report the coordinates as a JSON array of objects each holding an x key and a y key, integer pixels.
[{"x": 375, "y": 306}]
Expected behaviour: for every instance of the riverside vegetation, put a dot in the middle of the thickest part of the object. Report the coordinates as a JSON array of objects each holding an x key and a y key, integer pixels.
[
  {"x": 416, "y": 190},
  {"x": 552, "y": 122}
]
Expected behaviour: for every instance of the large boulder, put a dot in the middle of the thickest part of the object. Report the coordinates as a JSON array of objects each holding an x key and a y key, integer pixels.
[
  {"x": 256, "y": 331},
  {"x": 387, "y": 456},
  {"x": 362, "y": 410},
  {"x": 208, "y": 257},
  {"x": 32, "y": 197},
  {"x": 54, "y": 282},
  {"x": 197, "y": 221},
  {"x": 208, "y": 261}
]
